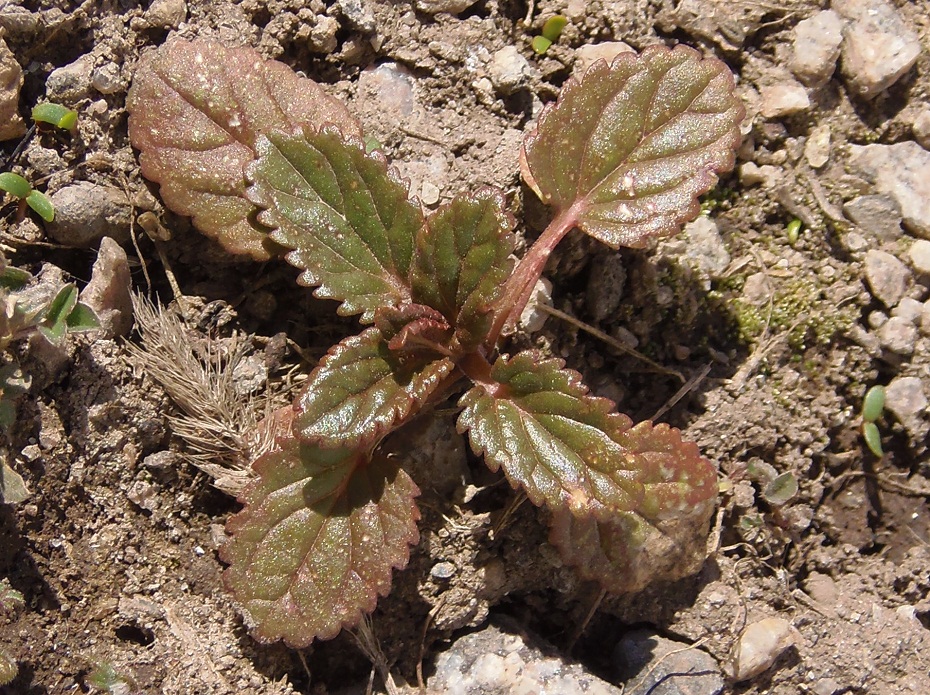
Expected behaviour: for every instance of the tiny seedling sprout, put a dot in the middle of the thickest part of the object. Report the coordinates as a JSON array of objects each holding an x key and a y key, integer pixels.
[
  {"x": 55, "y": 115},
  {"x": 551, "y": 32},
  {"x": 872, "y": 406},
  {"x": 18, "y": 187}
]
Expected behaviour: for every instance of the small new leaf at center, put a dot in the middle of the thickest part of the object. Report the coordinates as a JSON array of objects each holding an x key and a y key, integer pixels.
[{"x": 361, "y": 390}]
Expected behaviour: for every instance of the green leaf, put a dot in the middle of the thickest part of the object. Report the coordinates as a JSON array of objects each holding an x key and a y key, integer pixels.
[
  {"x": 663, "y": 537},
  {"x": 196, "y": 111},
  {"x": 540, "y": 44},
  {"x": 343, "y": 212},
  {"x": 873, "y": 438},
  {"x": 317, "y": 540},
  {"x": 10, "y": 598},
  {"x": 41, "y": 204},
  {"x": 553, "y": 27},
  {"x": 873, "y": 404},
  {"x": 55, "y": 114},
  {"x": 13, "y": 488},
  {"x": 361, "y": 390},
  {"x": 779, "y": 490},
  {"x": 462, "y": 259},
  {"x": 14, "y": 184},
  {"x": 82, "y": 318},
  {"x": 628, "y": 148},
  {"x": 13, "y": 278},
  {"x": 571, "y": 450},
  {"x": 55, "y": 318}
]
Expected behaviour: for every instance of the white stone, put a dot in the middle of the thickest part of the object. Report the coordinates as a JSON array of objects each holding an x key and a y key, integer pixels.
[
  {"x": 70, "y": 82},
  {"x": 886, "y": 275},
  {"x": 390, "y": 85},
  {"x": 817, "y": 42},
  {"x": 905, "y": 397},
  {"x": 879, "y": 215},
  {"x": 166, "y": 14},
  {"x": 784, "y": 99},
  {"x": 908, "y": 309},
  {"x": 878, "y": 46},
  {"x": 817, "y": 147},
  {"x": 898, "y": 335},
  {"x": 751, "y": 174},
  {"x": 900, "y": 171},
  {"x": 921, "y": 128},
  {"x": 919, "y": 255},
  {"x": 508, "y": 70},
  {"x": 759, "y": 646},
  {"x": 450, "y": 6}
]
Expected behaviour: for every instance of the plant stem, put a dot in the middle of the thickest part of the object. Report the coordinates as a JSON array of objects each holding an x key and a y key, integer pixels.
[{"x": 521, "y": 284}]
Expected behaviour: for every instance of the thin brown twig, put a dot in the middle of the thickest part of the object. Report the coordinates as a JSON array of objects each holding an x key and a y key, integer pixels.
[
  {"x": 688, "y": 386},
  {"x": 613, "y": 342}
]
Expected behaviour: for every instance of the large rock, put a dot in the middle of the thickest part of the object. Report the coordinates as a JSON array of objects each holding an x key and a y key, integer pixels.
[
  {"x": 817, "y": 42},
  {"x": 878, "y": 47},
  {"x": 900, "y": 171}
]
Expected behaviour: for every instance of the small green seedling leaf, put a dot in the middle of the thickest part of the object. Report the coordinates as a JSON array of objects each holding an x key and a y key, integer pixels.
[
  {"x": 56, "y": 115},
  {"x": 540, "y": 44},
  {"x": 105, "y": 678},
  {"x": 553, "y": 27},
  {"x": 14, "y": 184},
  {"x": 873, "y": 404},
  {"x": 10, "y": 598},
  {"x": 56, "y": 315},
  {"x": 42, "y": 205},
  {"x": 462, "y": 260},
  {"x": 196, "y": 110},
  {"x": 873, "y": 439},
  {"x": 361, "y": 390},
  {"x": 13, "y": 278},
  {"x": 626, "y": 150},
  {"x": 781, "y": 489},
  {"x": 570, "y": 450},
  {"x": 82, "y": 319},
  {"x": 343, "y": 213},
  {"x": 316, "y": 542},
  {"x": 793, "y": 231}
]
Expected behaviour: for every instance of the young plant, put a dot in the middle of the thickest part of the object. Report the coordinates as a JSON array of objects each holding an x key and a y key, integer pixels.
[
  {"x": 20, "y": 188},
  {"x": 267, "y": 164}
]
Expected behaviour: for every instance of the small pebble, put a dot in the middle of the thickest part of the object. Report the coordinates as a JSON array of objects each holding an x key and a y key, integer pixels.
[
  {"x": 450, "y": 6},
  {"x": 817, "y": 147},
  {"x": 359, "y": 15},
  {"x": 166, "y": 14},
  {"x": 751, "y": 174},
  {"x": 508, "y": 70},
  {"x": 11, "y": 81},
  {"x": 759, "y": 646},
  {"x": 817, "y": 42},
  {"x": 108, "y": 293},
  {"x": 391, "y": 86},
  {"x": 784, "y": 100},
  {"x": 908, "y": 309},
  {"x": 85, "y": 212},
  {"x": 72, "y": 82},
  {"x": 106, "y": 79},
  {"x": 429, "y": 194},
  {"x": 919, "y": 255},
  {"x": 898, "y": 335},
  {"x": 878, "y": 46},
  {"x": 442, "y": 570},
  {"x": 921, "y": 128},
  {"x": 886, "y": 275},
  {"x": 905, "y": 397},
  {"x": 900, "y": 171},
  {"x": 875, "y": 214}
]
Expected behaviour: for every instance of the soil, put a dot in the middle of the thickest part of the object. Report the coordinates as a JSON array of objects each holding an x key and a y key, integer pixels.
[{"x": 115, "y": 551}]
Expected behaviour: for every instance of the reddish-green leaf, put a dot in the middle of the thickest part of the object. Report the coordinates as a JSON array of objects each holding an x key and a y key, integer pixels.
[
  {"x": 663, "y": 536},
  {"x": 343, "y": 212},
  {"x": 196, "y": 111},
  {"x": 362, "y": 389},
  {"x": 461, "y": 261},
  {"x": 571, "y": 450},
  {"x": 316, "y": 542},
  {"x": 628, "y": 148}
]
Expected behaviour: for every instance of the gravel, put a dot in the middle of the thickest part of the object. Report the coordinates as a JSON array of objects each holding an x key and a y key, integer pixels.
[
  {"x": 886, "y": 275},
  {"x": 900, "y": 171},
  {"x": 86, "y": 212},
  {"x": 817, "y": 42}
]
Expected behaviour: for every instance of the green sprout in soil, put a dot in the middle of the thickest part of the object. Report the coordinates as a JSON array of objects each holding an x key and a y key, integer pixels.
[
  {"x": 55, "y": 115},
  {"x": 20, "y": 188},
  {"x": 551, "y": 32},
  {"x": 269, "y": 165},
  {"x": 872, "y": 406}
]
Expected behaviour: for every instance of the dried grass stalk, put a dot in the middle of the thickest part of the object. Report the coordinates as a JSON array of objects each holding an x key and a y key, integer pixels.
[{"x": 222, "y": 430}]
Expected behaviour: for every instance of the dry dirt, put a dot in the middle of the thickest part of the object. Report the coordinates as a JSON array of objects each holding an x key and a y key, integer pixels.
[{"x": 115, "y": 551}]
